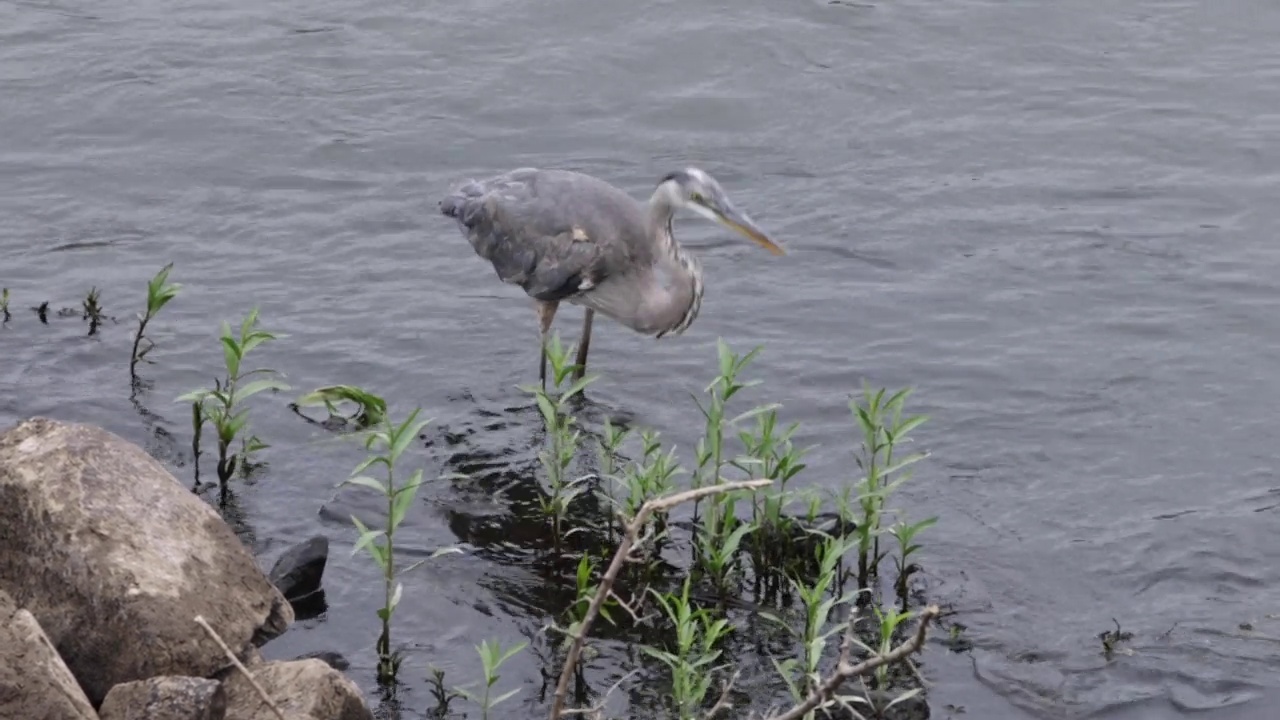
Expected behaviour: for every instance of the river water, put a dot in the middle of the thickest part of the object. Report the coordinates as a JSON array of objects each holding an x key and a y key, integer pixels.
[{"x": 1055, "y": 220}]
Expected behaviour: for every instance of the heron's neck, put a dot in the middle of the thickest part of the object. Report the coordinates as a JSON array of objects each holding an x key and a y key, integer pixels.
[{"x": 669, "y": 251}]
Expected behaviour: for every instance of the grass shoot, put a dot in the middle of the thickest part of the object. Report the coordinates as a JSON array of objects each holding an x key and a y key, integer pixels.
[
  {"x": 492, "y": 656},
  {"x": 159, "y": 292},
  {"x": 370, "y": 409},
  {"x": 222, "y": 406},
  {"x": 386, "y": 443},
  {"x": 557, "y": 459}
]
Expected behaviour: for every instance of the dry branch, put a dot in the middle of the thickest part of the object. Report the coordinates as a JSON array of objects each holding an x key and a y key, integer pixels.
[
  {"x": 629, "y": 539},
  {"x": 723, "y": 703},
  {"x": 240, "y": 666},
  {"x": 845, "y": 669}
]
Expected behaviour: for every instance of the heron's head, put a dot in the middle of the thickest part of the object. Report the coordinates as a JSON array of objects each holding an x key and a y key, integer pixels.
[{"x": 696, "y": 190}]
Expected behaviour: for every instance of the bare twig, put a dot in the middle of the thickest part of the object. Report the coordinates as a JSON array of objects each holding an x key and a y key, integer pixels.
[
  {"x": 723, "y": 703},
  {"x": 632, "y": 532},
  {"x": 845, "y": 669},
  {"x": 240, "y": 666},
  {"x": 596, "y": 712}
]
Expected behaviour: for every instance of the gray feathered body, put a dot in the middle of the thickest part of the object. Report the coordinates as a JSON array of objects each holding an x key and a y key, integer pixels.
[{"x": 566, "y": 236}]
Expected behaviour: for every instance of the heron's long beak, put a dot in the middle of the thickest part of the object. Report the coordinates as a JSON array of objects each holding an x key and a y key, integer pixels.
[{"x": 732, "y": 217}]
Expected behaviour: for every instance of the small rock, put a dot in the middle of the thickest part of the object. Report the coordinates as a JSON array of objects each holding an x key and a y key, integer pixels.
[
  {"x": 302, "y": 689},
  {"x": 311, "y": 606},
  {"x": 334, "y": 660},
  {"x": 34, "y": 681},
  {"x": 166, "y": 698},
  {"x": 298, "y": 571},
  {"x": 115, "y": 558}
]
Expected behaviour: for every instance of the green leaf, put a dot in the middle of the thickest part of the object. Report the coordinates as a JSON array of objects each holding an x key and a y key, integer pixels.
[
  {"x": 364, "y": 464},
  {"x": 256, "y": 338},
  {"x": 405, "y": 434},
  {"x": 231, "y": 355},
  {"x": 193, "y": 396},
  {"x": 503, "y": 696},
  {"x": 577, "y": 387},
  {"x": 366, "y": 537},
  {"x": 725, "y": 357},
  {"x": 403, "y": 499},
  {"x": 366, "y": 481},
  {"x": 512, "y": 651},
  {"x": 734, "y": 540},
  {"x": 547, "y": 409},
  {"x": 257, "y": 386}
]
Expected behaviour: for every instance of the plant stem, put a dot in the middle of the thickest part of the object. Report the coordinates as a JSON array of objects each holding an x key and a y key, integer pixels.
[
  {"x": 631, "y": 536},
  {"x": 845, "y": 669}
]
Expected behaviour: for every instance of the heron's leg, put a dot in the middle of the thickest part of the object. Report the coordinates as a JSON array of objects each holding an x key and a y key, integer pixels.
[
  {"x": 546, "y": 313},
  {"x": 583, "y": 344}
]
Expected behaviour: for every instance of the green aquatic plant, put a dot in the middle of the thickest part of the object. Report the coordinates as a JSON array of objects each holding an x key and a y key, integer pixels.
[
  {"x": 818, "y": 598},
  {"x": 769, "y": 452},
  {"x": 370, "y": 409},
  {"x": 905, "y": 534},
  {"x": 386, "y": 442},
  {"x": 222, "y": 406},
  {"x": 4, "y": 305},
  {"x": 632, "y": 537},
  {"x": 697, "y": 634},
  {"x": 159, "y": 292},
  {"x": 91, "y": 310},
  {"x": 718, "y": 547},
  {"x": 564, "y": 436},
  {"x": 443, "y": 695},
  {"x": 720, "y": 534},
  {"x": 883, "y": 429},
  {"x": 645, "y": 479},
  {"x": 492, "y": 656}
]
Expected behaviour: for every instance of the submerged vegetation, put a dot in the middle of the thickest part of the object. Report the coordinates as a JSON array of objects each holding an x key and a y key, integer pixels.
[
  {"x": 817, "y": 582},
  {"x": 386, "y": 443},
  {"x": 222, "y": 406},
  {"x": 159, "y": 293}
]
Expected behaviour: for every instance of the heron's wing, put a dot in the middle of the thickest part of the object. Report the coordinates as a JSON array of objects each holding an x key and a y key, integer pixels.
[{"x": 554, "y": 233}]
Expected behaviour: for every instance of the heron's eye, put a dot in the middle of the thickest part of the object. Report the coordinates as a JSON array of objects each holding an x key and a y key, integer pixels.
[{"x": 696, "y": 197}]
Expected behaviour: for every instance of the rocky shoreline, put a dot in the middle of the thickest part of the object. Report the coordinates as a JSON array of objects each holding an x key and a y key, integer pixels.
[{"x": 106, "y": 561}]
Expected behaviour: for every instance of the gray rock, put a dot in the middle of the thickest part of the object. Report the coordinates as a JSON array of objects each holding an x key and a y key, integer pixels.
[
  {"x": 333, "y": 659},
  {"x": 115, "y": 558},
  {"x": 297, "y": 573},
  {"x": 166, "y": 698},
  {"x": 302, "y": 689},
  {"x": 35, "y": 684}
]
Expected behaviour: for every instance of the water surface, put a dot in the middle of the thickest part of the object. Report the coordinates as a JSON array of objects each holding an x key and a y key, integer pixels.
[{"x": 1055, "y": 220}]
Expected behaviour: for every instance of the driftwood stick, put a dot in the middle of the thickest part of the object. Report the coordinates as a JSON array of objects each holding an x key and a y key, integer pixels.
[
  {"x": 723, "y": 703},
  {"x": 240, "y": 666},
  {"x": 629, "y": 539},
  {"x": 846, "y": 669}
]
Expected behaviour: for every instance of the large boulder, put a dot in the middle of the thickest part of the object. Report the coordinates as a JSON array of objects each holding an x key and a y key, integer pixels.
[
  {"x": 166, "y": 698},
  {"x": 115, "y": 558},
  {"x": 34, "y": 682},
  {"x": 301, "y": 689}
]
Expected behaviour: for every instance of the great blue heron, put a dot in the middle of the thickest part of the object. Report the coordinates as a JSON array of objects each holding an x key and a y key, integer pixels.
[{"x": 565, "y": 236}]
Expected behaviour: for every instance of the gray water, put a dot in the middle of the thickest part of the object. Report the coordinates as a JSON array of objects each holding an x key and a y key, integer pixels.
[{"x": 1055, "y": 220}]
